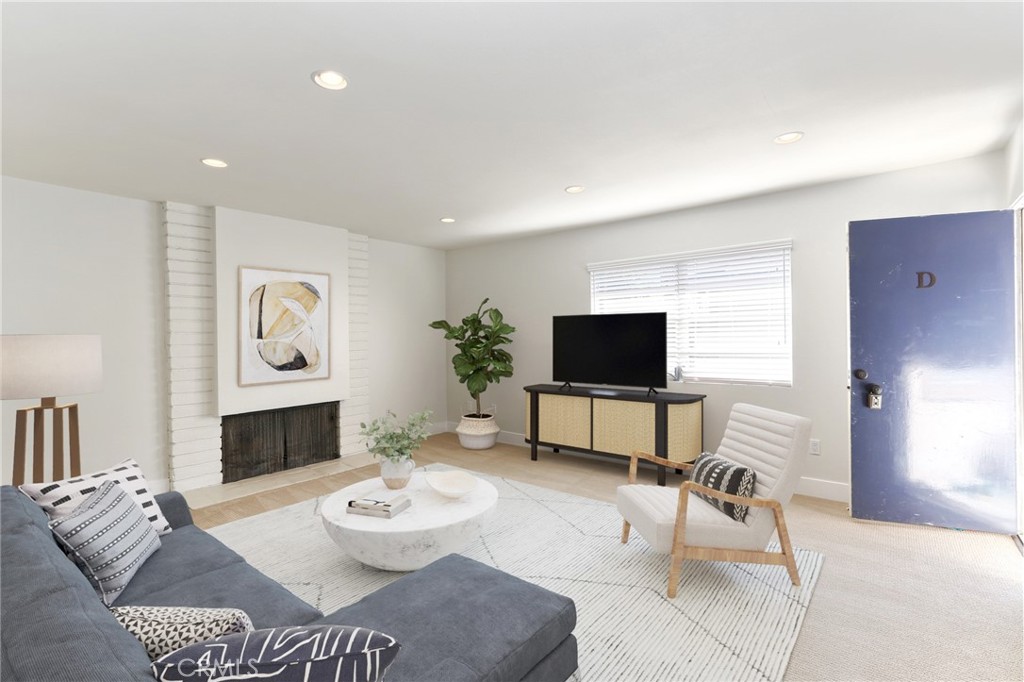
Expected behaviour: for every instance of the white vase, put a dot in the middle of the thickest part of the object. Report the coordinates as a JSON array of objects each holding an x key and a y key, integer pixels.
[
  {"x": 477, "y": 433},
  {"x": 396, "y": 472}
]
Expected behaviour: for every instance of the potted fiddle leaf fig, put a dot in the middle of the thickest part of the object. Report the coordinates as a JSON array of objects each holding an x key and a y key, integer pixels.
[{"x": 480, "y": 361}]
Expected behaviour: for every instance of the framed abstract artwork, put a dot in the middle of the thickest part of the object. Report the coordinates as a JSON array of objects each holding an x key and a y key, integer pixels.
[{"x": 284, "y": 326}]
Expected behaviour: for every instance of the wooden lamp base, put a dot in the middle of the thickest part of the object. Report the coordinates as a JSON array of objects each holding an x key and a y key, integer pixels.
[{"x": 38, "y": 428}]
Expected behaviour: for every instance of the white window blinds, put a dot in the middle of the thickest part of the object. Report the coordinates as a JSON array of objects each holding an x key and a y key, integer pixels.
[{"x": 729, "y": 310}]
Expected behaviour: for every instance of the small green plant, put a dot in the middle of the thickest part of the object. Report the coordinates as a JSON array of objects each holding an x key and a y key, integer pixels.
[
  {"x": 481, "y": 360},
  {"x": 387, "y": 438}
]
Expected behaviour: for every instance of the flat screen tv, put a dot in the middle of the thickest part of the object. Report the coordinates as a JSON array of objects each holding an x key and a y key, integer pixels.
[{"x": 622, "y": 349}]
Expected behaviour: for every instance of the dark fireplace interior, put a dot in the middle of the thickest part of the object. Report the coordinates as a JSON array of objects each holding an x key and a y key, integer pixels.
[{"x": 257, "y": 443}]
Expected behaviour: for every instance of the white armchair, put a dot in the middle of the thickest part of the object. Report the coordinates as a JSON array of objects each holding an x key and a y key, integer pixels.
[{"x": 773, "y": 444}]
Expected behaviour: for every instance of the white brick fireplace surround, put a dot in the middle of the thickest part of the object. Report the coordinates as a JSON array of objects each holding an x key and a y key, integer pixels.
[{"x": 194, "y": 427}]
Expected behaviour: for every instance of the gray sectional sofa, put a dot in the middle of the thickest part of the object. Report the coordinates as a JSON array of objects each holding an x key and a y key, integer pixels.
[{"x": 456, "y": 619}]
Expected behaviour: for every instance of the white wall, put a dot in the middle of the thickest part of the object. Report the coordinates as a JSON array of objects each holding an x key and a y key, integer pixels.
[
  {"x": 88, "y": 263},
  {"x": 262, "y": 241},
  {"x": 1015, "y": 167},
  {"x": 407, "y": 358},
  {"x": 82, "y": 262},
  {"x": 532, "y": 279},
  {"x": 79, "y": 262}
]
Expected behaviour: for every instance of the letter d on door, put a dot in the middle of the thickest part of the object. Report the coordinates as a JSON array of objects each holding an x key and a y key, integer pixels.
[{"x": 925, "y": 280}]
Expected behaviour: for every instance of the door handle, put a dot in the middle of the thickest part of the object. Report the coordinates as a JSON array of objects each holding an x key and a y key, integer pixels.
[{"x": 874, "y": 397}]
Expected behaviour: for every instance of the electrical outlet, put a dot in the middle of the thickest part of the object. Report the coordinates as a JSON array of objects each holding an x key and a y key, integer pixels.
[{"x": 815, "y": 446}]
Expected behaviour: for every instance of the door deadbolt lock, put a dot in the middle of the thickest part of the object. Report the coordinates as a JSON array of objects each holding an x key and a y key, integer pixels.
[{"x": 874, "y": 397}]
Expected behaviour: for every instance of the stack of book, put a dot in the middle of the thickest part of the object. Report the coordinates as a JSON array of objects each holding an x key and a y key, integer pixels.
[{"x": 384, "y": 509}]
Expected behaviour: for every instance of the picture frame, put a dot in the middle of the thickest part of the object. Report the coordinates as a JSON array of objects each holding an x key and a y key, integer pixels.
[{"x": 283, "y": 326}]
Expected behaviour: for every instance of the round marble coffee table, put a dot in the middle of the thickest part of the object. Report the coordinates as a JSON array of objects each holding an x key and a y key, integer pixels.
[{"x": 431, "y": 528}]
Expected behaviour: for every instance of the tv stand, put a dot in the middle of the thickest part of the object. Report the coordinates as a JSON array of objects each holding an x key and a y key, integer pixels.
[{"x": 615, "y": 422}]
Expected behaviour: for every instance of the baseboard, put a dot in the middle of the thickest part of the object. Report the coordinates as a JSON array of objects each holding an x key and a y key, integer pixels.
[
  {"x": 507, "y": 437},
  {"x": 826, "y": 490},
  {"x": 512, "y": 438},
  {"x": 812, "y": 487}
]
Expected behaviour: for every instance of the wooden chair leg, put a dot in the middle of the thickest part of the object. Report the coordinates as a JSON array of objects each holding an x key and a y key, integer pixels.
[
  {"x": 787, "y": 548},
  {"x": 678, "y": 542},
  {"x": 674, "y": 571},
  {"x": 791, "y": 567},
  {"x": 625, "y": 532}
]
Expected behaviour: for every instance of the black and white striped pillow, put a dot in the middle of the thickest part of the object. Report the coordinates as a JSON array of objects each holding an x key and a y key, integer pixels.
[
  {"x": 59, "y": 498},
  {"x": 725, "y": 476},
  {"x": 284, "y": 654},
  {"x": 109, "y": 537}
]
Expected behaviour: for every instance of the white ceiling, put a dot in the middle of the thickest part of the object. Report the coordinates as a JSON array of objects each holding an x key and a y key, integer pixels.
[{"x": 485, "y": 111}]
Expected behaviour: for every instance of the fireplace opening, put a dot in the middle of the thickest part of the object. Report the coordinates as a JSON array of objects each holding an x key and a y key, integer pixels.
[{"x": 257, "y": 443}]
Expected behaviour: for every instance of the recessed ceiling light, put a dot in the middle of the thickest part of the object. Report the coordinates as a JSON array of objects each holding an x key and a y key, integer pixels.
[
  {"x": 789, "y": 138},
  {"x": 447, "y": 220},
  {"x": 330, "y": 80},
  {"x": 575, "y": 189},
  {"x": 215, "y": 163}
]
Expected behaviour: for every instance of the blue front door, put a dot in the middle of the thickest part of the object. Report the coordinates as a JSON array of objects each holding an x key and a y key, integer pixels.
[{"x": 933, "y": 406}]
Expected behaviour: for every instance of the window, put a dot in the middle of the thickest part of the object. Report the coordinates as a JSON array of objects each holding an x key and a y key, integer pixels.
[{"x": 729, "y": 310}]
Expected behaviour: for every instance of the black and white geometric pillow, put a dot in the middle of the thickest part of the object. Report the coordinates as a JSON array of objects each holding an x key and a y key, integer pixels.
[
  {"x": 109, "y": 537},
  {"x": 163, "y": 629},
  {"x": 59, "y": 498},
  {"x": 725, "y": 476},
  {"x": 285, "y": 654}
]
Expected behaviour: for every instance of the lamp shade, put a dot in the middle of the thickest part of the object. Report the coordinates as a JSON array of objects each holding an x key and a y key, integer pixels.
[{"x": 45, "y": 366}]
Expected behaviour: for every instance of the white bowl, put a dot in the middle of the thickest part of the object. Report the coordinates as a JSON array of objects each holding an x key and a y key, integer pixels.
[{"x": 453, "y": 484}]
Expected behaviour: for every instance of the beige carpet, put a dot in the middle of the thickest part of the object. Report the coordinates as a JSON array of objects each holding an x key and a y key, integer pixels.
[{"x": 897, "y": 602}]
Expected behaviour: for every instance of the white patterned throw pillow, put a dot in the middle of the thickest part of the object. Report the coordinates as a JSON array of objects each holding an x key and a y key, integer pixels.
[
  {"x": 109, "y": 537},
  {"x": 59, "y": 498},
  {"x": 163, "y": 629}
]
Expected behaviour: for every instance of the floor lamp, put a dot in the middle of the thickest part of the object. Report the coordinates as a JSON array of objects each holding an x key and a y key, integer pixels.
[{"x": 45, "y": 366}]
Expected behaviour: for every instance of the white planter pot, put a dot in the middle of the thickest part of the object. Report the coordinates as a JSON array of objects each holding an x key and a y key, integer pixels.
[
  {"x": 396, "y": 474},
  {"x": 478, "y": 433}
]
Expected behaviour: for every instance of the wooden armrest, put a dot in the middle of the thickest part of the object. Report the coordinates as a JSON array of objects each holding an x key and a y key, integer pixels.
[
  {"x": 735, "y": 499},
  {"x": 637, "y": 455}
]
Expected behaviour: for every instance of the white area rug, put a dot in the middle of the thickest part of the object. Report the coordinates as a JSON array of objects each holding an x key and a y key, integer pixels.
[{"x": 729, "y": 622}]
